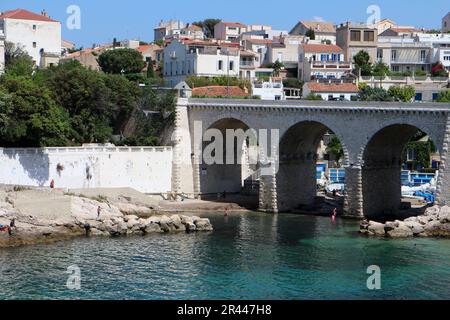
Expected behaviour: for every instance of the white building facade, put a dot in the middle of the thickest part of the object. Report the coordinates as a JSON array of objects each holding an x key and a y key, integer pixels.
[
  {"x": 229, "y": 31},
  {"x": 199, "y": 58},
  {"x": 38, "y": 34},
  {"x": 321, "y": 61}
]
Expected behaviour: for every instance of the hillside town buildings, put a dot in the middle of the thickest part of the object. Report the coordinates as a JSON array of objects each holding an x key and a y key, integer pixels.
[{"x": 315, "y": 52}]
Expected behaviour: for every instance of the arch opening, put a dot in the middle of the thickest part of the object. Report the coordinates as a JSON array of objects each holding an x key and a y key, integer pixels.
[
  {"x": 308, "y": 151},
  {"x": 226, "y": 172},
  {"x": 399, "y": 173}
]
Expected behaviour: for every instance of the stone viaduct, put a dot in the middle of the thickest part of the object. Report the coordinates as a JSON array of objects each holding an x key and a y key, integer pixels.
[{"x": 373, "y": 135}]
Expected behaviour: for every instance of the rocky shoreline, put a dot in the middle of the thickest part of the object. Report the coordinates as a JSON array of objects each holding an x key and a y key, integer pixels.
[
  {"x": 79, "y": 216},
  {"x": 434, "y": 223}
]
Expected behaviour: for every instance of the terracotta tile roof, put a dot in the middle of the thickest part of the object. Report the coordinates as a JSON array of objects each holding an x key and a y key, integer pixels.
[
  {"x": 403, "y": 30},
  {"x": 340, "y": 88},
  {"x": 321, "y": 48},
  {"x": 218, "y": 91},
  {"x": 234, "y": 24},
  {"x": 319, "y": 26},
  {"x": 259, "y": 41},
  {"x": 248, "y": 53},
  {"x": 147, "y": 47},
  {"x": 21, "y": 14}
]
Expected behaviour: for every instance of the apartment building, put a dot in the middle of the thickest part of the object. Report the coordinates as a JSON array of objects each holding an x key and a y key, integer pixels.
[
  {"x": 168, "y": 29},
  {"x": 38, "y": 34},
  {"x": 324, "y": 31},
  {"x": 322, "y": 61},
  {"x": 286, "y": 50},
  {"x": 229, "y": 31},
  {"x": 440, "y": 47},
  {"x": 404, "y": 55},
  {"x": 183, "y": 58},
  {"x": 352, "y": 38},
  {"x": 446, "y": 23}
]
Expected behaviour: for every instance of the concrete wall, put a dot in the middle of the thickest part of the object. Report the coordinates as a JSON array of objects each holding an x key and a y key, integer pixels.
[{"x": 148, "y": 170}]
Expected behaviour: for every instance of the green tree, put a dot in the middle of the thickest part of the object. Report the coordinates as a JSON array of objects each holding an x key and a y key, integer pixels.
[
  {"x": 94, "y": 101},
  {"x": 313, "y": 97},
  {"x": 17, "y": 61},
  {"x": 208, "y": 26},
  {"x": 444, "y": 96},
  {"x": 311, "y": 34},
  {"x": 402, "y": 94},
  {"x": 29, "y": 117},
  {"x": 277, "y": 66},
  {"x": 335, "y": 148},
  {"x": 121, "y": 61},
  {"x": 380, "y": 69},
  {"x": 374, "y": 94},
  {"x": 362, "y": 63}
]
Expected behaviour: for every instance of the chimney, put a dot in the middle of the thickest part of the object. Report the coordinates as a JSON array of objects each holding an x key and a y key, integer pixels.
[{"x": 44, "y": 13}]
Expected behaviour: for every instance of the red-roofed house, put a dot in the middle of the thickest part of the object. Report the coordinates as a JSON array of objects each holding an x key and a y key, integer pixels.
[
  {"x": 229, "y": 31},
  {"x": 330, "y": 92},
  {"x": 322, "y": 61},
  {"x": 38, "y": 34}
]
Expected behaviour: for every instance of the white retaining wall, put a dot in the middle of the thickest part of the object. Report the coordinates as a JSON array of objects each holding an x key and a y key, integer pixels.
[{"x": 145, "y": 169}]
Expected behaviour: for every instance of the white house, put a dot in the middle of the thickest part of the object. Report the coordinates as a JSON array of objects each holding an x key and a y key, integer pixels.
[
  {"x": 322, "y": 61},
  {"x": 38, "y": 34},
  {"x": 2, "y": 53},
  {"x": 440, "y": 47},
  {"x": 269, "y": 90},
  {"x": 184, "y": 58},
  {"x": 168, "y": 29},
  {"x": 330, "y": 92},
  {"x": 324, "y": 31},
  {"x": 446, "y": 23},
  {"x": 229, "y": 31}
]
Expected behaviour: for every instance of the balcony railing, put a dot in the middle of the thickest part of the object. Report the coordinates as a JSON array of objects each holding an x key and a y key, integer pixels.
[
  {"x": 248, "y": 64},
  {"x": 331, "y": 65}
]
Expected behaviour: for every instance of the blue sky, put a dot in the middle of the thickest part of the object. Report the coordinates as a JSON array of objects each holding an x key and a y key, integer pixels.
[{"x": 102, "y": 20}]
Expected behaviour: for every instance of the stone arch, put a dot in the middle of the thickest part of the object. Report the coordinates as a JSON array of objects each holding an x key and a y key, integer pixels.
[
  {"x": 296, "y": 177},
  {"x": 223, "y": 176},
  {"x": 381, "y": 162}
]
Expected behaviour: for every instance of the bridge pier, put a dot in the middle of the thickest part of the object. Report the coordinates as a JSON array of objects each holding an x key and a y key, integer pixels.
[
  {"x": 443, "y": 185},
  {"x": 353, "y": 202}
]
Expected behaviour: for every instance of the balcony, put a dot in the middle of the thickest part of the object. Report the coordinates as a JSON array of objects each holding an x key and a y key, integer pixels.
[
  {"x": 331, "y": 65},
  {"x": 247, "y": 64}
]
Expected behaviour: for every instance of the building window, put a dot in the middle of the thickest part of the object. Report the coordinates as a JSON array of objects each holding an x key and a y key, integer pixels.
[
  {"x": 380, "y": 54},
  {"x": 355, "y": 35},
  {"x": 220, "y": 66},
  {"x": 277, "y": 98},
  {"x": 395, "y": 68},
  {"x": 394, "y": 55},
  {"x": 231, "y": 65},
  {"x": 34, "y": 27},
  {"x": 369, "y": 36},
  {"x": 418, "y": 96},
  {"x": 435, "y": 96},
  {"x": 34, "y": 44},
  {"x": 423, "y": 55},
  {"x": 330, "y": 97}
]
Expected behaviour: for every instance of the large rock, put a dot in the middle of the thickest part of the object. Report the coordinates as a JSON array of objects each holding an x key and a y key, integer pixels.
[
  {"x": 433, "y": 211},
  {"x": 130, "y": 209},
  {"x": 376, "y": 229},
  {"x": 402, "y": 231},
  {"x": 203, "y": 225}
]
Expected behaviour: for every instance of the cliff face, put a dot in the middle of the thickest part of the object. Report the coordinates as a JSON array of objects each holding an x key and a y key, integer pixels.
[{"x": 434, "y": 223}]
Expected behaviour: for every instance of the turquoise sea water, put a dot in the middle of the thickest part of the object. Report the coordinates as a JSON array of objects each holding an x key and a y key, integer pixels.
[{"x": 248, "y": 256}]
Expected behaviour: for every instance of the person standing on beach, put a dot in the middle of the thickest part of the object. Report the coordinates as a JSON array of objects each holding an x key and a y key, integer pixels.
[{"x": 99, "y": 211}]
